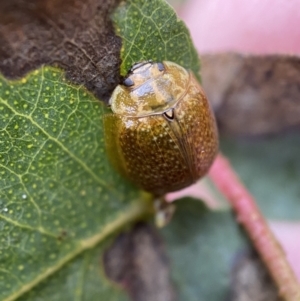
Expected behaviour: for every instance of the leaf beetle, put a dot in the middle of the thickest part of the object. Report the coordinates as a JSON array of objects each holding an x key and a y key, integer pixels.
[{"x": 162, "y": 133}]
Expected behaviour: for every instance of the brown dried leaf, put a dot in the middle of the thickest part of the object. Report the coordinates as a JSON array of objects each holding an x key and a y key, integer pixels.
[
  {"x": 253, "y": 95},
  {"x": 137, "y": 260},
  {"x": 251, "y": 281},
  {"x": 75, "y": 35}
]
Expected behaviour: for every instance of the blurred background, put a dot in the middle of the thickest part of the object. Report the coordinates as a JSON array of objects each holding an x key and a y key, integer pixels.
[{"x": 264, "y": 142}]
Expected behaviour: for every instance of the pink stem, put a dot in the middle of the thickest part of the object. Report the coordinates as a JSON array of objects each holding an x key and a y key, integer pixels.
[{"x": 248, "y": 214}]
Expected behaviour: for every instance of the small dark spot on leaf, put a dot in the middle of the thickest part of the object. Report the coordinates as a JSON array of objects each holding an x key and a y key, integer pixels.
[{"x": 62, "y": 235}]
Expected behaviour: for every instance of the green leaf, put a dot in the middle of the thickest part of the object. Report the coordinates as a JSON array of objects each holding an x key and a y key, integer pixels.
[
  {"x": 202, "y": 246},
  {"x": 80, "y": 279},
  {"x": 270, "y": 169},
  {"x": 60, "y": 200},
  {"x": 58, "y": 193},
  {"x": 151, "y": 30}
]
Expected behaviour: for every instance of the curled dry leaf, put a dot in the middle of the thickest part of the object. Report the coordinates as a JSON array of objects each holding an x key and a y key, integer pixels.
[
  {"x": 138, "y": 261},
  {"x": 251, "y": 281},
  {"x": 253, "y": 95}
]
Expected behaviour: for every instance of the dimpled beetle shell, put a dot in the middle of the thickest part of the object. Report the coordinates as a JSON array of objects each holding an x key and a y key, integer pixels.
[{"x": 162, "y": 133}]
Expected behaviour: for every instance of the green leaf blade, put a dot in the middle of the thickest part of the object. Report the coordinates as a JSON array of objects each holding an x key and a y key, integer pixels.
[
  {"x": 59, "y": 195},
  {"x": 202, "y": 246},
  {"x": 152, "y": 31}
]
